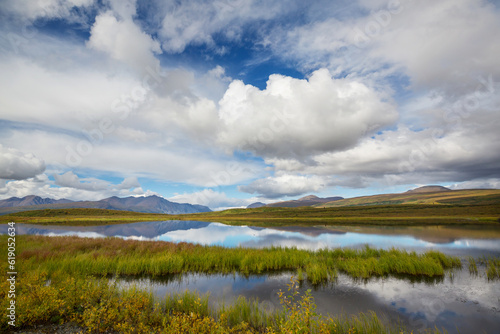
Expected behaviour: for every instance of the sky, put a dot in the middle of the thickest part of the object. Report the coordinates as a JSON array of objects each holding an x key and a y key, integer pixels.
[{"x": 229, "y": 102}]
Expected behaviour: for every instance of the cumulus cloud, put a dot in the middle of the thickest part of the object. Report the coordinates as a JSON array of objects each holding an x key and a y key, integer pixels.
[
  {"x": 298, "y": 118},
  {"x": 16, "y": 165},
  {"x": 285, "y": 185},
  {"x": 123, "y": 40}
]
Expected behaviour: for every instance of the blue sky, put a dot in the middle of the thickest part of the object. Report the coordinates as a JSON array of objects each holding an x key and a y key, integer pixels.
[{"x": 228, "y": 102}]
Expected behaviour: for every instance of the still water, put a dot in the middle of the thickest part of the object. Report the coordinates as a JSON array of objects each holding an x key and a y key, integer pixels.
[
  {"x": 460, "y": 241},
  {"x": 458, "y": 302},
  {"x": 469, "y": 303}
]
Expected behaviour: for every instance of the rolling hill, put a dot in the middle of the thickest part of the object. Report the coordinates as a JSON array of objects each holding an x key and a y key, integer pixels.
[{"x": 423, "y": 196}]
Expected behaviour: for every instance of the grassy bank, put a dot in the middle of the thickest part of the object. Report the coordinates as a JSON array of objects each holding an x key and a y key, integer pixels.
[
  {"x": 77, "y": 217},
  {"x": 114, "y": 256},
  {"x": 383, "y": 215},
  {"x": 421, "y": 214},
  {"x": 100, "y": 307}
]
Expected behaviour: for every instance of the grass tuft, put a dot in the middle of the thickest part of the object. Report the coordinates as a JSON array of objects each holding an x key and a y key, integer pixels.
[{"x": 115, "y": 256}]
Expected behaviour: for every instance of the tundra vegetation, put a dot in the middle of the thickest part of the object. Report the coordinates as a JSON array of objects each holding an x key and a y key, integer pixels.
[{"x": 66, "y": 279}]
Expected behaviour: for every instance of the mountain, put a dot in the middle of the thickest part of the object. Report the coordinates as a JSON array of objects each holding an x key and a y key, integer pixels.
[
  {"x": 309, "y": 200},
  {"x": 150, "y": 204},
  {"x": 427, "y": 195},
  {"x": 428, "y": 189},
  {"x": 256, "y": 205},
  {"x": 30, "y": 200}
]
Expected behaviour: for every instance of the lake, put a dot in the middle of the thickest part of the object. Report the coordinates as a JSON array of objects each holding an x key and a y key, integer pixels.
[
  {"x": 458, "y": 300},
  {"x": 460, "y": 241}
]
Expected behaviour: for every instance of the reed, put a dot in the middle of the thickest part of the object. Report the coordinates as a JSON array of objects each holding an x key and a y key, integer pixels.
[
  {"x": 472, "y": 266},
  {"x": 114, "y": 256},
  {"x": 493, "y": 268}
]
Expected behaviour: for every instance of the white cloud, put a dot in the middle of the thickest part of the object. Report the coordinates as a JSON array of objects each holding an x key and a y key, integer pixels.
[
  {"x": 124, "y": 8},
  {"x": 447, "y": 53},
  {"x": 299, "y": 118},
  {"x": 213, "y": 84},
  {"x": 441, "y": 45},
  {"x": 493, "y": 183},
  {"x": 28, "y": 10},
  {"x": 215, "y": 200},
  {"x": 164, "y": 161},
  {"x": 16, "y": 165},
  {"x": 71, "y": 180},
  {"x": 123, "y": 40},
  {"x": 75, "y": 99},
  {"x": 70, "y": 186},
  {"x": 129, "y": 183},
  {"x": 286, "y": 185},
  {"x": 197, "y": 21},
  {"x": 403, "y": 156}
]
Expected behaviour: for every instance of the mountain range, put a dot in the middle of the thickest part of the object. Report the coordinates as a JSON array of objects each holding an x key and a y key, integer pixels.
[
  {"x": 30, "y": 200},
  {"x": 150, "y": 204}
]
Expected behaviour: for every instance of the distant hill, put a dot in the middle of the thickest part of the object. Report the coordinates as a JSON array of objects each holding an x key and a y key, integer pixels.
[
  {"x": 304, "y": 201},
  {"x": 150, "y": 204},
  {"x": 428, "y": 189},
  {"x": 423, "y": 196},
  {"x": 30, "y": 200},
  {"x": 256, "y": 205}
]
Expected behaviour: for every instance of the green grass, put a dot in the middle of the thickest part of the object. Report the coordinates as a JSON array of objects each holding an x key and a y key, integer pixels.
[
  {"x": 493, "y": 268},
  {"x": 473, "y": 266},
  {"x": 77, "y": 217},
  {"x": 114, "y": 256},
  {"x": 490, "y": 264}
]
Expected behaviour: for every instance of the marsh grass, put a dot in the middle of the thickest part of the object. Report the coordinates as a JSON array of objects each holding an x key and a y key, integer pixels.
[
  {"x": 114, "y": 256},
  {"x": 493, "y": 268},
  {"x": 473, "y": 266},
  {"x": 491, "y": 265}
]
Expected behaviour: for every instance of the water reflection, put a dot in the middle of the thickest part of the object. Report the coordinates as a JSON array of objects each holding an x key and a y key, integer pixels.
[
  {"x": 464, "y": 301},
  {"x": 452, "y": 240}
]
